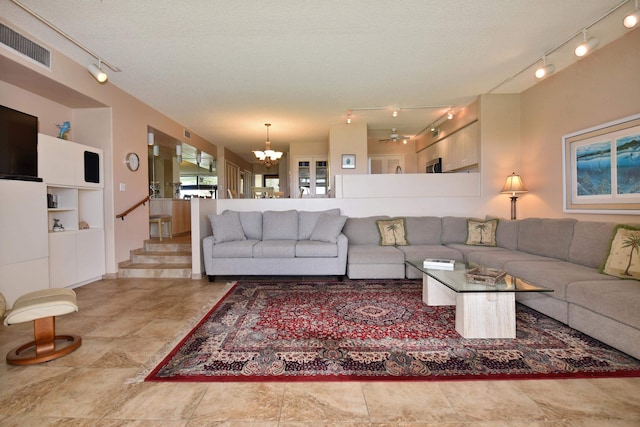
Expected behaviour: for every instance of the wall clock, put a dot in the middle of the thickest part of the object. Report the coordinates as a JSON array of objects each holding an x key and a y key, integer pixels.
[{"x": 133, "y": 161}]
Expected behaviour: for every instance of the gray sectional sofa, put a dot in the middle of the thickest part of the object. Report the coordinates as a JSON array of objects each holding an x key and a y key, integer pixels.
[
  {"x": 276, "y": 243},
  {"x": 560, "y": 254}
]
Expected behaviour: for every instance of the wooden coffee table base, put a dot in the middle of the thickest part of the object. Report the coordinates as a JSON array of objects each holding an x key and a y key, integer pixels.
[{"x": 478, "y": 314}]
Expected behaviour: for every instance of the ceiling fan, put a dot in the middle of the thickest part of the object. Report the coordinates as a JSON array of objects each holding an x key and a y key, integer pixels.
[{"x": 395, "y": 137}]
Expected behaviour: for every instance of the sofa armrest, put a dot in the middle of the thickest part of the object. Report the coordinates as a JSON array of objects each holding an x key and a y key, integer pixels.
[
  {"x": 207, "y": 247},
  {"x": 343, "y": 246}
]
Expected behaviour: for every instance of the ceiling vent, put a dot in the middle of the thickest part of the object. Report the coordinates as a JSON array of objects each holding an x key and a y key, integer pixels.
[{"x": 23, "y": 45}]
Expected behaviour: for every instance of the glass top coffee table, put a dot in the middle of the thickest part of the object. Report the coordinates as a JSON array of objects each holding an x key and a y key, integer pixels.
[{"x": 482, "y": 310}]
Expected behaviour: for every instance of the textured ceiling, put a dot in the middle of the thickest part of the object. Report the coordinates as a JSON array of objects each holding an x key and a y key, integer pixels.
[{"x": 224, "y": 68}]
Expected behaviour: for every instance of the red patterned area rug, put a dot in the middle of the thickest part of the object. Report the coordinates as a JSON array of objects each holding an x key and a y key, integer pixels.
[{"x": 371, "y": 330}]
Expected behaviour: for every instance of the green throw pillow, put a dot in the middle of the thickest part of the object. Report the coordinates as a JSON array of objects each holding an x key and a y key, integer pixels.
[
  {"x": 623, "y": 260},
  {"x": 393, "y": 232},
  {"x": 481, "y": 233}
]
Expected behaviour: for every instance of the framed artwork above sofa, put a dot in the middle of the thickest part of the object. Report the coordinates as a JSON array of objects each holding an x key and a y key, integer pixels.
[{"x": 601, "y": 168}]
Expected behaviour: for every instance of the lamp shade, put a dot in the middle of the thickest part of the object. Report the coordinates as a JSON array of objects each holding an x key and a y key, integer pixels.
[{"x": 513, "y": 185}]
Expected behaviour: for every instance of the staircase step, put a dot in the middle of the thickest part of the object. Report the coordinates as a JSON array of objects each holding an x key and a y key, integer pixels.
[
  {"x": 158, "y": 246},
  {"x": 157, "y": 271},
  {"x": 140, "y": 256}
]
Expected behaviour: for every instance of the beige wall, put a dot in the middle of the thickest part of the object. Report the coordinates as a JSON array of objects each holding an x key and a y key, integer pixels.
[
  {"x": 68, "y": 92},
  {"x": 601, "y": 87},
  {"x": 347, "y": 139}
]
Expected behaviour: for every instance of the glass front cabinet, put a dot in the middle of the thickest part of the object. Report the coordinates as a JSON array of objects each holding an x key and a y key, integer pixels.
[{"x": 311, "y": 177}]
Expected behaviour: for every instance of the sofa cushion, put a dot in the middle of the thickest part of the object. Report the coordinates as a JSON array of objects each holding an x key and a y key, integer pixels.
[
  {"x": 362, "y": 231},
  {"x": 423, "y": 230},
  {"x": 280, "y": 225},
  {"x": 613, "y": 298},
  {"x": 275, "y": 249},
  {"x": 454, "y": 229},
  {"x": 623, "y": 260},
  {"x": 314, "y": 249},
  {"x": 420, "y": 252},
  {"x": 234, "y": 249},
  {"x": 466, "y": 249},
  {"x": 308, "y": 219},
  {"x": 392, "y": 232},
  {"x": 481, "y": 233},
  {"x": 375, "y": 254},
  {"x": 499, "y": 257},
  {"x": 590, "y": 243},
  {"x": 546, "y": 237},
  {"x": 328, "y": 228},
  {"x": 507, "y": 233},
  {"x": 554, "y": 275},
  {"x": 226, "y": 228}
]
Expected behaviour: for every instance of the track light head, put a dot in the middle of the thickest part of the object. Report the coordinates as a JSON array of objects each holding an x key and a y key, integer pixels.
[
  {"x": 545, "y": 71},
  {"x": 450, "y": 115},
  {"x": 631, "y": 20},
  {"x": 587, "y": 46},
  {"x": 395, "y": 113},
  {"x": 97, "y": 73}
]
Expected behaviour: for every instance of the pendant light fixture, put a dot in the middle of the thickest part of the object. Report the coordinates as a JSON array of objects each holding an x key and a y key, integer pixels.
[{"x": 268, "y": 157}]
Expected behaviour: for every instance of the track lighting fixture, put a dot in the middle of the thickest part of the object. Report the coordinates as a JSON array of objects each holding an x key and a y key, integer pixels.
[
  {"x": 395, "y": 113},
  {"x": 95, "y": 70},
  {"x": 349, "y": 117},
  {"x": 631, "y": 20},
  {"x": 587, "y": 45},
  {"x": 156, "y": 150},
  {"x": 433, "y": 128},
  {"x": 97, "y": 73},
  {"x": 545, "y": 70},
  {"x": 150, "y": 138},
  {"x": 450, "y": 114}
]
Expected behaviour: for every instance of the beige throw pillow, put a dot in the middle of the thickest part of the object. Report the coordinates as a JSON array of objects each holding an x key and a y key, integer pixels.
[
  {"x": 481, "y": 233},
  {"x": 623, "y": 260},
  {"x": 392, "y": 232}
]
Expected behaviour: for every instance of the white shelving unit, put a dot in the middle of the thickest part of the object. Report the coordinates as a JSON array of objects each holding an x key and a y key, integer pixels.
[{"x": 76, "y": 256}]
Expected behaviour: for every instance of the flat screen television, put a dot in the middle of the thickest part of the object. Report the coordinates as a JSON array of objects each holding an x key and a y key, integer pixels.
[{"x": 18, "y": 145}]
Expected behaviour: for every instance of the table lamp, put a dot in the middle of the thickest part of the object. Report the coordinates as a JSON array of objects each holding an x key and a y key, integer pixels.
[{"x": 513, "y": 186}]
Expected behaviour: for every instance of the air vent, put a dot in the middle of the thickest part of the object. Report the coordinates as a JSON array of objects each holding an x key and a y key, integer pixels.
[
  {"x": 23, "y": 45},
  {"x": 187, "y": 134}
]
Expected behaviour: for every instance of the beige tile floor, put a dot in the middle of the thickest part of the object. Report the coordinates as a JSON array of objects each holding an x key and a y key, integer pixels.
[{"x": 125, "y": 321}]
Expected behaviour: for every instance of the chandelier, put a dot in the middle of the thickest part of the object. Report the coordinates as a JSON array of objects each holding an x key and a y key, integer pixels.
[{"x": 268, "y": 157}]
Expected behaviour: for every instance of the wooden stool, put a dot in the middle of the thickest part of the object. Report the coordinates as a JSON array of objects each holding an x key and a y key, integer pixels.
[
  {"x": 161, "y": 219},
  {"x": 41, "y": 307}
]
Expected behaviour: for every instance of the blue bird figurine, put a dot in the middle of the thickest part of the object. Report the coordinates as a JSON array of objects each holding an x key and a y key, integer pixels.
[{"x": 64, "y": 128}]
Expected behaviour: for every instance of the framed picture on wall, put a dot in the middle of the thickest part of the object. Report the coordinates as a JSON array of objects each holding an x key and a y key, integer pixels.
[
  {"x": 601, "y": 168},
  {"x": 348, "y": 161}
]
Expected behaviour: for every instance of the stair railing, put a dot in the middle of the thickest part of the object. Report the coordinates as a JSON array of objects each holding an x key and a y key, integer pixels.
[{"x": 125, "y": 213}]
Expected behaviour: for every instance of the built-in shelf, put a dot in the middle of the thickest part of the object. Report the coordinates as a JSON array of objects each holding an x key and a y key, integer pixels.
[{"x": 76, "y": 255}]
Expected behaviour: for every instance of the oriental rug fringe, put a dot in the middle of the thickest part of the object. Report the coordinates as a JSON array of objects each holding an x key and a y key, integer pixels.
[{"x": 359, "y": 330}]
